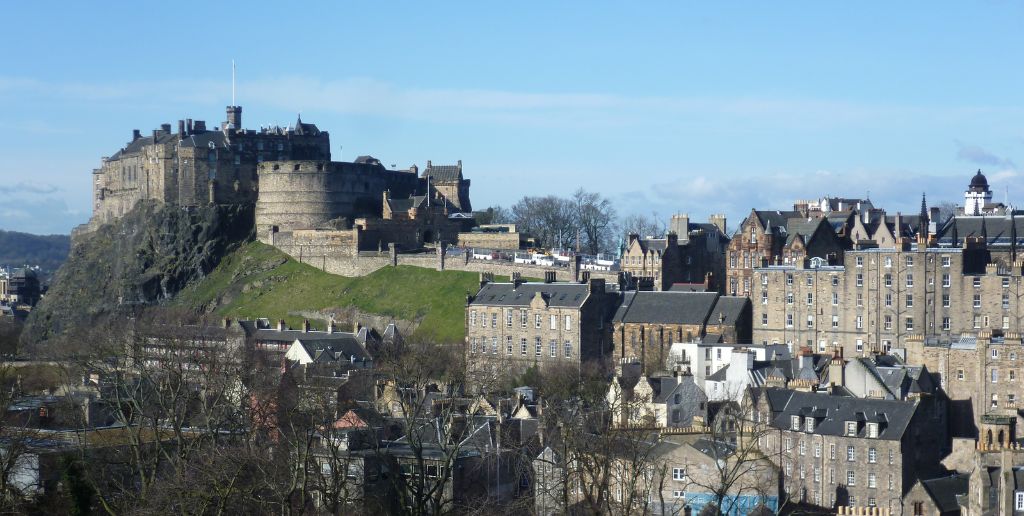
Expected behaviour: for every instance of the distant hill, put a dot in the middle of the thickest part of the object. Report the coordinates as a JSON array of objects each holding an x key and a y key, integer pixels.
[{"x": 46, "y": 251}]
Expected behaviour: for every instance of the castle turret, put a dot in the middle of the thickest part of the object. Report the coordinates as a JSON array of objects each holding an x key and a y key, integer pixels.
[{"x": 234, "y": 120}]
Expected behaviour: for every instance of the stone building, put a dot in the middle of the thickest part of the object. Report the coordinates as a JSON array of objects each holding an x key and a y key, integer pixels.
[
  {"x": 981, "y": 375},
  {"x": 837, "y": 451},
  {"x": 197, "y": 165},
  {"x": 767, "y": 238},
  {"x": 878, "y": 298},
  {"x": 450, "y": 183},
  {"x": 658, "y": 401},
  {"x": 690, "y": 253},
  {"x": 646, "y": 324},
  {"x": 502, "y": 237},
  {"x": 23, "y": 287},
  {"x": 511, "y": 327}
]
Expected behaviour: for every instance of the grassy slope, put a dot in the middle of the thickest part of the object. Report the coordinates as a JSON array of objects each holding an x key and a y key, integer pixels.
[{"x": 259, "y": 281}]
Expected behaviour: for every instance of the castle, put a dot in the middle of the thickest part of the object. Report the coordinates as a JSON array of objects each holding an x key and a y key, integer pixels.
[{"x": 288, "y": 175}]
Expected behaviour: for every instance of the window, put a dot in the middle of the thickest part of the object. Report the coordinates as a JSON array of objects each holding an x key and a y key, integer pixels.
[
  {"x": 764, "y": 279},
  {"x": 679, "y": 474},
  {"x": 910, "y": 261},
  {"x": 494, "y": 345},
  {"x": 977, "y": 321},
  {"x": 835, "y": 280},
  {"x": 859, "y": 321},
  {"x": 817, "y": 474},
  {"x": 871, "y": 481},
  {"x": 860, "y": 280},
  {"x": 860, "y": 299},
  {"x": 789, "y": 320},
  {"x": 678, "y": 494},
  {"x": 472, "y": 348},
  {"x": 802, "y": 474},
  {"x": 536, "y": 346},
  {"x": 835, "y": 298},
  {"x": 851, "y": 480},
  {"x": 1011, "y": 399},
  {"x": 888, "y": 261},
  {"x": 522, "y": 346},
  {"x": 910, "y": 280},
  {"x": 860, "y": 345},
  {"x": 945, "y": 280},
  {"x": 764, "y": 297},
  {"x": 860, "y": 261},
  {"x": 995, "y": 353},
  {"x": 1018, "y": 501},
  {"x": 890, "y": 481},
  {"x": 508, "y": 317},
  {"x": 910, "y": 301},
  {"x": 851, "y": 454},
  {"x": 872, "y": 455},
  {"x": 494, "y": 320},
  {"x": 977, "y": 282},
  {"x": 1006, "y": 282},
  {"x": 553, "y": 348},
  {"x": 1006, "y": 301},
  {"x": 764, "y": 319},
  {"x": 835, "y": 321},
  {"x": 1012, "y": 375},
  {"x": 810, "y": 321},
  {"x": 801, "y": 447},
  {"x": 537, "y": 321},
  {"x": 568, "y": 349},
  {"x": 851, "y": 428},
  {"x": 810, "y": 280},
  {"x": 910, "y": 323},
  {"x": 873, "y": 430},
  {"x": 810, "y": 298},
  {"x": 995, "y": 401},
  {"x": 945, "y": 323},
  {"x": 789, "y": 279},
  {"x": 472, "y": 317},
  {"x": 890, "y": 457},
  {"x": 977, "y": 300},
  {"x": 887, "y": 322},
  {"x": 945, "y": 261},
  {"x": 522, "y": 318},
  {"x": 959, "y": 374},
  {"x": 945, "y": 300},
  {"x": 888, "y": 300},
  {"x": 789, "y": 298},
  {"x": 832, "y": 451},
  {"x": 817, "y": 449},
  {"x": 888, "y": 279},
  {"x": 994, "y": 374},
  {"x": 508, "y": 345}
]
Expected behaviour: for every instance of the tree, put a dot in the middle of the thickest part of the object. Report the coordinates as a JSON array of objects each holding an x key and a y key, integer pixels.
[
  {"x": 494, "y": 215},
  {"x": 550, "y": 219},
  {"x": 595, "y": 216},
  {"x": 642, "y": 225}
]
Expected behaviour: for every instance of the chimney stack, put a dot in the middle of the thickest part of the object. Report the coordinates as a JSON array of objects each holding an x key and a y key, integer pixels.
[
  {"x": 331, "y": 328},
  {"x": 181, "y": 129},
  {"x": 280, "y": 325},
  {"x": 549, "y": 276},
  {"x": 136, "y": 134},
  {"x": 188, "y": 126},
  {"x": 305, "y": 326},
  {"x": 517, "y": 280},
  {"x": 166, "y": 128},
  {"x": 227, "y": 322}
]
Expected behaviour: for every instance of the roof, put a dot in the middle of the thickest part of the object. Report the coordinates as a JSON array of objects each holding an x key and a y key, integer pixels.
[
  {"x": 997, "y": 229},
  {"x": 802, "y": 227},
  {"x": 335, "y": 350},
  {"x": 944, "y": 490},
  {"x": 670, "y": 307},
  {"x": 443, "y": 173},
  {"x": 979, "y": 182},
  {"x": 719, "y": 375},
  {"x": 728, "y": 310},
  {"x": 832, "y": 412},
  {"x": 556, "y": 294},
  {"x": 289, "y": 336}
]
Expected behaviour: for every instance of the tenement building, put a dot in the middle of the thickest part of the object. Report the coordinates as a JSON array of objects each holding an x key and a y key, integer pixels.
[
  {"x": 981, "y": 375},
  {"x": 880, "y": 297},
  {"x": 777, "y": 238},
  {"x": 197, "y": 165},
  {"x": 511, "y": 327},
  {"x": 691, "y": 253},
  {"x": 836, "y": 451}
]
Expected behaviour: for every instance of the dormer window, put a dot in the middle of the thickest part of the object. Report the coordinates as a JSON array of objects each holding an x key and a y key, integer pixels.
[
  {"x": 873, "y": 430},
  {"x": 810, "y": 424},
  {"x": 851, "y": 428},
  {"x": 794, "y": 422}
]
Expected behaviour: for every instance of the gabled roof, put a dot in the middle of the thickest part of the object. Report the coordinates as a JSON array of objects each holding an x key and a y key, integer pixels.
[
  {"x": 944, "y": 490},
  {"x": 670, "y": 307},
  {"x": 556, "y": 294},
  {"x": 443, "y": 173},
  {"x": 893, "y": 415},
  {"x": 340, "y": 350}
]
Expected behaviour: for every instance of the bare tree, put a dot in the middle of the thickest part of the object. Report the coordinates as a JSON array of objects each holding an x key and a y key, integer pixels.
[
  {"x": 595, "y": 216},
  {"x": 642, "y": 225}
]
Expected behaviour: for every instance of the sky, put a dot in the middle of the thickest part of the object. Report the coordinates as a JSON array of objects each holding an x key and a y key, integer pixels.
[{"x": 665, "y": 108}]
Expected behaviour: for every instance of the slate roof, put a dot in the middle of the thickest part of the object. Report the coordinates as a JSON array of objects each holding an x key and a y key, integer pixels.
[
  {"x": 443, "y": 173},
  {"x": 289, "y": 336},
  {"x": 776, "y": 219},
  {"x": 833, "y": 411},
  {"x": 719, "y": 375},
  {"x": 204, "y": 139},
  {"x": 137, "y": 145},
  {"x": 666, "y": 307},
  {"x": 802, "y": 227},
  {"x": 732, "y": 307},
  {"x": 339, "y": 350},
  {"x": 998, "y": 229},
  {"x": 557, "y": 294},
  {"x": 944, "y": 490}
]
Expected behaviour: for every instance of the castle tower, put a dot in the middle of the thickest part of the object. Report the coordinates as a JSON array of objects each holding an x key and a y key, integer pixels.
[
  {"x": 977, "y": 195},
  {"x": 234, "y": 117}
]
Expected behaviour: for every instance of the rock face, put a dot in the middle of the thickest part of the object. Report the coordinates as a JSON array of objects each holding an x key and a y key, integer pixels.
[{"x": 144, "y": 258}]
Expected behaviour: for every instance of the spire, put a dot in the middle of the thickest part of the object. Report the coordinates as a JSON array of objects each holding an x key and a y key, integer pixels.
[
  {"x": 984, "y": 230},
  {"x": 922, "y": 223}
]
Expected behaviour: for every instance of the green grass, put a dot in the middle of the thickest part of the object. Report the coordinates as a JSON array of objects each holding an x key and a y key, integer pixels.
[{"x": 260, "y": 281}]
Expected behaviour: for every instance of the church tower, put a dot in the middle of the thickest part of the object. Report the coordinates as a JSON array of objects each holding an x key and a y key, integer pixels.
[{"x": 977, "y": 195}]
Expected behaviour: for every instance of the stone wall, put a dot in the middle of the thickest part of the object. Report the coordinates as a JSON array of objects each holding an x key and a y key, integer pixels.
[{"x": 502, "y": 241}]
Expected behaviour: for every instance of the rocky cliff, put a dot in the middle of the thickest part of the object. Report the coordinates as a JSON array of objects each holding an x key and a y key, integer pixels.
[{"x": 144, "y": 258}]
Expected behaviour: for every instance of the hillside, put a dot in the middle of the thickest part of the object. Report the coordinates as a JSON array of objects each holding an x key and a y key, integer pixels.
[
  {"x": 144, "y": 258},
  {"x": 260, "y": 281},
  {"x": 46, "y": 251}
]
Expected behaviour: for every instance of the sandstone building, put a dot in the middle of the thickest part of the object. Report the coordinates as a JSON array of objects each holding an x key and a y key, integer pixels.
[
  {"x": 691, "y": 253},
  {"x": 511, "y": 327},
  {"x": 646, "y": 324}
]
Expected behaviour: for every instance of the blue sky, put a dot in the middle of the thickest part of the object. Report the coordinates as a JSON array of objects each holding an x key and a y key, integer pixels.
[{"x": 664, "y": 107}]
